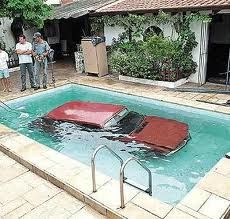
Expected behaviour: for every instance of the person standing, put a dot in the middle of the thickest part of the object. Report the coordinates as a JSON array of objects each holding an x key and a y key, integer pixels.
[
  {"x": 40, "y": 52},
  {"x": 4, "y": 72},
  {"x": 24, "y": 51}
]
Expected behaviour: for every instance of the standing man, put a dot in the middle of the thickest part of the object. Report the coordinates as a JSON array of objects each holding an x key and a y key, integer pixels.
[
  {"x": 24, "y": 51},
  {"x": 40, "y": 53}
]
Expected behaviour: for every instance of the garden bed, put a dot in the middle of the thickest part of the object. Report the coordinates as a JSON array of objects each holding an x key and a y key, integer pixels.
[{"x": 168, "y": 84}]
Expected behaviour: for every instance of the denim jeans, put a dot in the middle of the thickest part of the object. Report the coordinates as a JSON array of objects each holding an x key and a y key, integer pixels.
[
  {"x": 38, "y": 67},
  {"x": 29, "y": 67}
]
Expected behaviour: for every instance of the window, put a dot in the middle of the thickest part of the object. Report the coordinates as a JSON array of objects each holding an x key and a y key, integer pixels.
[{"x": 151, "y": 31}]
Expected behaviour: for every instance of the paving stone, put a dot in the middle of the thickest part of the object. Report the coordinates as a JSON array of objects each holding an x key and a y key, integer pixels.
[
  {"x": 12, "y": 190},
  {"x": 10, "y": 172},
  {"x": 152, "y": 205},
  {"x": 216, "y": 183},
  {"x": 132, "y": 211},
  {"x": 47, "y": 212},
  {"x": 40, "y": 194},
  {"x": 10, "y": 206},
  {"x": 113, "y": 189},
  {"x": 223, "y": 167},
  {"x": 178, "y": 214},
  {"x": 215, "y": 207},
  {"x": 195, "y": 198},
  {"x": 87, "y": 213},
  {"x": 19, "y": 212}
]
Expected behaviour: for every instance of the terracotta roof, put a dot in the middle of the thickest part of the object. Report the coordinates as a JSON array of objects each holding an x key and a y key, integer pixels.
[{"x": 154, "y": 5}]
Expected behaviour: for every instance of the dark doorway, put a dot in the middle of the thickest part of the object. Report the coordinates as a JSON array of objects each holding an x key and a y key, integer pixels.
[
  {"x": 218, "y": 48},
  {"x": 63, "y": 35}
]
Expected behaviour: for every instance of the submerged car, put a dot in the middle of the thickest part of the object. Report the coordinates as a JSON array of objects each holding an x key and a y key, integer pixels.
[{"x": 163, "y": 136}]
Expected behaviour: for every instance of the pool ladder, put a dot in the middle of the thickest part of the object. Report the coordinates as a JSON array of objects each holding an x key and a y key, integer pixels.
[{"x": 123, "y": 179}]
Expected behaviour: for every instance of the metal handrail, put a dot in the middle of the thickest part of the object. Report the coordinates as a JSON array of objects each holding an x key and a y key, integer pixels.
[
  {"x": 122, "y": 178},
  {"x": 93, "y": 162}
]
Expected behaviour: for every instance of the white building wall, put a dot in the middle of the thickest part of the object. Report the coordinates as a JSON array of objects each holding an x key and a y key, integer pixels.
[
  {"x": 113, "y": 32},
  {"x": 5, "y": 32},
  {"x": 196, "y": 28}
]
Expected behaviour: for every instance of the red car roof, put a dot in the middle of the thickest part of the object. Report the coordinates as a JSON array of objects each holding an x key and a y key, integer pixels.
[
  {"x": 161, "y": 134},
  {"x": 96, "y": 114}
]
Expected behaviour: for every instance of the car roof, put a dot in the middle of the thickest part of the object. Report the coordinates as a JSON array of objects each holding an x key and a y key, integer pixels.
[{"x": 86, "y": 113}]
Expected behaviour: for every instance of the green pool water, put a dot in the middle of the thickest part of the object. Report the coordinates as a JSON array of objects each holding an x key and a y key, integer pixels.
[{"x": 173, "y": 176}]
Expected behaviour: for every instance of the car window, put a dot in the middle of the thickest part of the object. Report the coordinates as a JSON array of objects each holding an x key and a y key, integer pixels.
[{"x": 116, "y": 118}]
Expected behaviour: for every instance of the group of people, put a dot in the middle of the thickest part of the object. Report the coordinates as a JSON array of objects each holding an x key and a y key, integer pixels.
[{"x": 39, "y": 50}]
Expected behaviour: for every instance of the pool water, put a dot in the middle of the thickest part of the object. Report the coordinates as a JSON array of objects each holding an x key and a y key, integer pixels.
[{"x": 173, "y": 176}]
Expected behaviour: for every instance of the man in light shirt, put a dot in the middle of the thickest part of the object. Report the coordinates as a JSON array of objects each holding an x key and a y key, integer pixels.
[{"x": 24, "y": 51}]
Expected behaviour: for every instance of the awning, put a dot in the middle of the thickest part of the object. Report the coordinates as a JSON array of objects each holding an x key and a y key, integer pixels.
[{"x": 78, "y": 8}]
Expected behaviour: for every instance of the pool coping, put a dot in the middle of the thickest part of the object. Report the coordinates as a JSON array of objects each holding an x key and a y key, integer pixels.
[{"x": 33, "y": 155}]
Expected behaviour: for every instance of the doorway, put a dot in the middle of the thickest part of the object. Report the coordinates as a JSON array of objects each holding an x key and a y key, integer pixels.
[{"x": 218, "y": 48}]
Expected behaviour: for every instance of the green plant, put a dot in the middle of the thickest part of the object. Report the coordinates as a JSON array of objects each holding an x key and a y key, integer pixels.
[{"x": 31, "y": 12}]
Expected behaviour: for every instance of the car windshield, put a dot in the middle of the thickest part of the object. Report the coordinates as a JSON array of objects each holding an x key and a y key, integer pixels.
[
  {"x": 116, "y": 118},
  {"x": 128, "y": 123}
]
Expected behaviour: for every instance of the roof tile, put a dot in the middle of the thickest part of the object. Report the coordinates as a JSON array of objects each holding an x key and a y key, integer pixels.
[{"x": 148, "y": 5}]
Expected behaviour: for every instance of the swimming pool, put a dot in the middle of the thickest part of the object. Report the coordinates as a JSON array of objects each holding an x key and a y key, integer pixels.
[{"x": 173, "y": 176}]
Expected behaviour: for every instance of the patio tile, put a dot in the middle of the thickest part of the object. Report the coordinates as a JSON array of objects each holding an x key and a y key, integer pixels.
[
  {"x": 40, "y": 194},
  {"x": 195, "y": 198},
  {"x": 132, "y": 211},
  {"x": 18, "y": 212},
  {"x": 113, "y": 199},
  {"x": 8, "y": 194},
  {"x": 216, "y": 183},
  {"x": 152, "y": 205},
  {"x": 223, "y": 167},
  {"x": 5, "y": 161},
  {"x": 10, "y": 172},
  {"x": 67, "y": 202},
  {"x": 178, "y": 214},
  {"x": 10, "y": 206},
  {"x": 191, "y": 212},
  {"x": 47, "y": 212},
  {"x": 63, "y": 173},
  {"x": 215, "y": 207},
  {"x": 16, "y": 140},
  {"x": 32, "y": 179},
  {"x": 87, "y": 213},
  {"x": 83, "y": 181}
]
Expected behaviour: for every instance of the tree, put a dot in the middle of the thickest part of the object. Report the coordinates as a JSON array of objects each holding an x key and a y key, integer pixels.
[{"x": 30, "y": 12}]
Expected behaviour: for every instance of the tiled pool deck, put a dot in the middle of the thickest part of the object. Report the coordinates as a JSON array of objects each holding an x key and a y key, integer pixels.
[{"x": 210, "y": 198}]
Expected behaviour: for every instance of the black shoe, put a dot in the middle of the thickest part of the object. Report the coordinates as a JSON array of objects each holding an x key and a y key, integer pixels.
[
  {"x": 36, "y": 88},
  {"x": 44, "y": 86},
  {"x": 33, "y": 87},
  {"x": 23, "y": 89}
]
